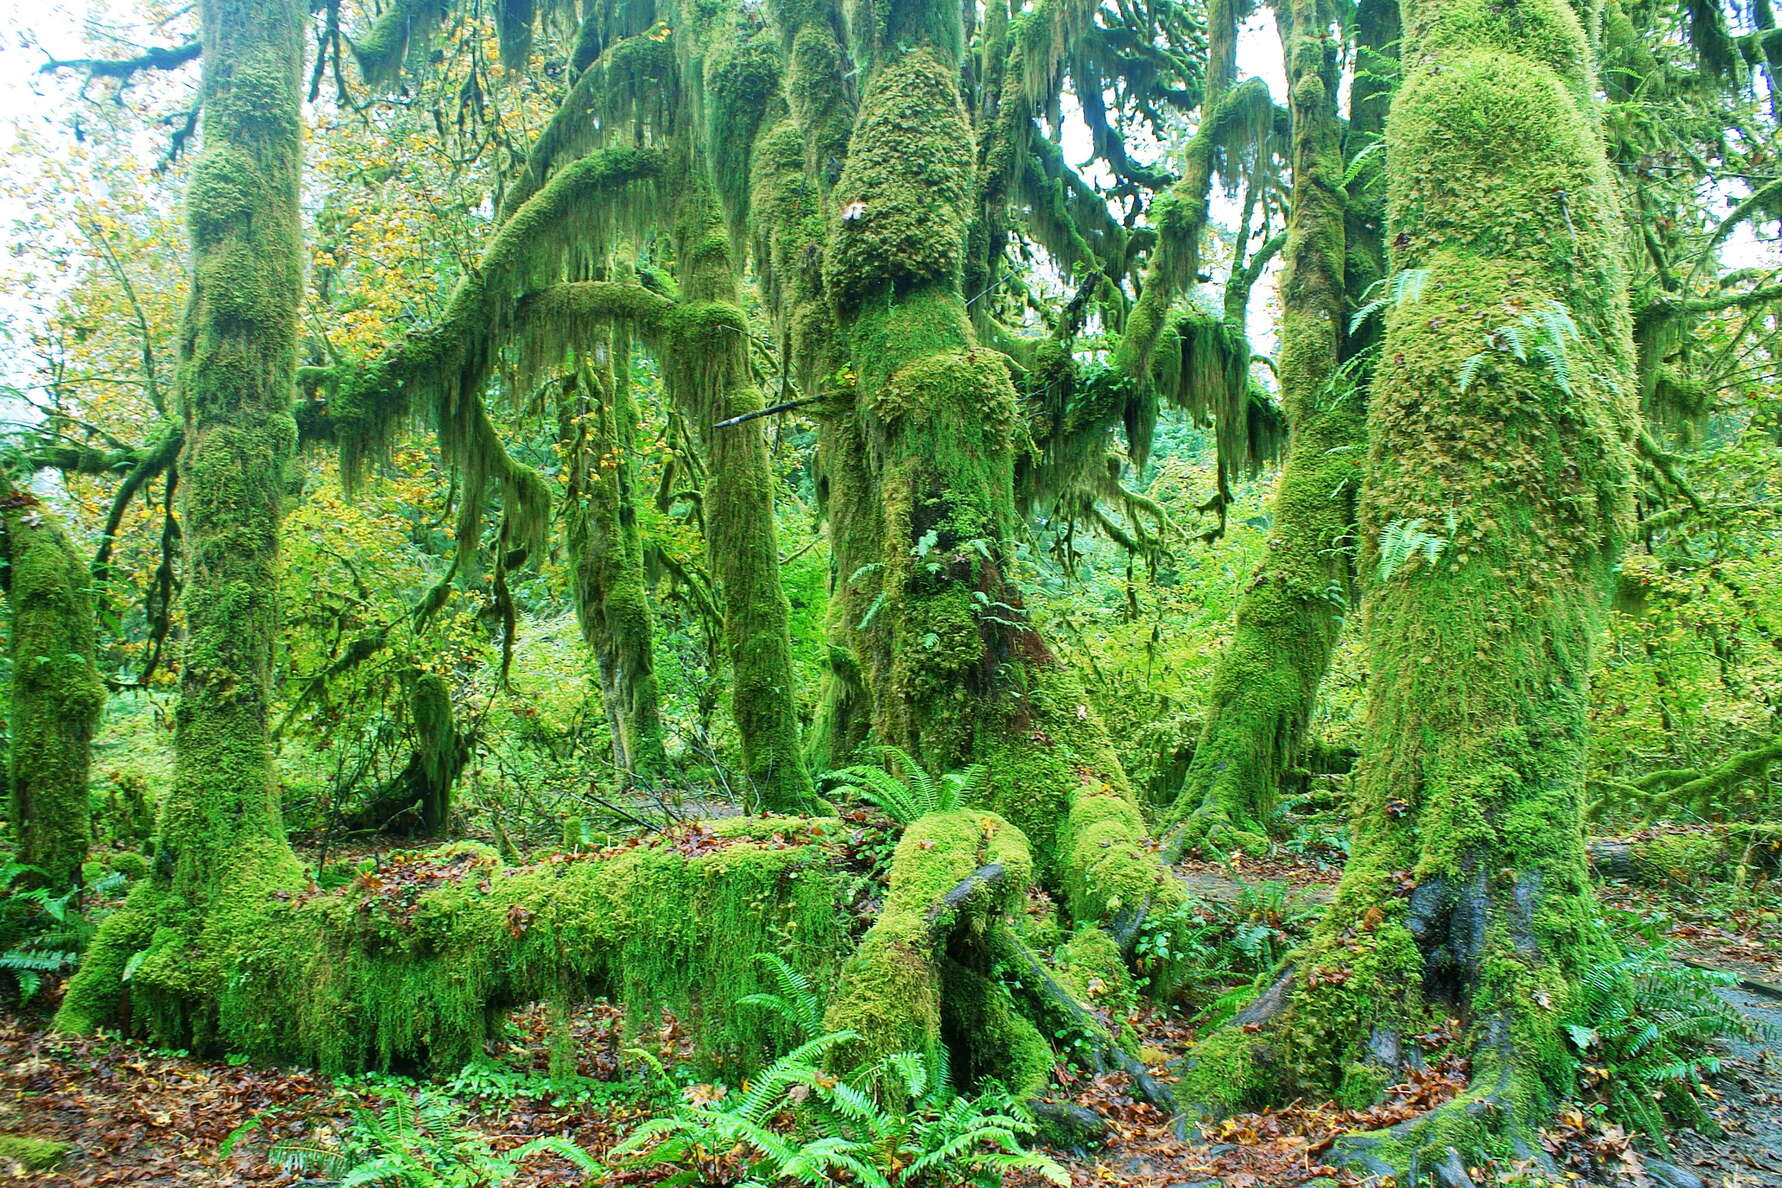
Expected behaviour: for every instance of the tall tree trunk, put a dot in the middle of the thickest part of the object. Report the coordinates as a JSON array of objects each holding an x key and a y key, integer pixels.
[
  {"x": 1497, "y": 496},
  {"x": 1288, "y": 618},
  {"x": 606, "y": 556},
  {"x": 56, "y": 694},
  {"x": 958, "y": 674},
  {"x": 221, "y": 846},
  {"x": 707, "y": 371}
]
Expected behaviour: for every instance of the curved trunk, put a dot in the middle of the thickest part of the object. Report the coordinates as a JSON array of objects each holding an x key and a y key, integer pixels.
[
  {"x": 599, "y": 428},
  {"x": 1497, "y": 494},
  {"x": 221, "y": 846},
  {"x": 56, "y": 694}
]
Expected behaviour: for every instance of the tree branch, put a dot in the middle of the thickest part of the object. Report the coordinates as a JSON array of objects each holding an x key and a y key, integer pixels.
[{"x": 159, "y": 58}]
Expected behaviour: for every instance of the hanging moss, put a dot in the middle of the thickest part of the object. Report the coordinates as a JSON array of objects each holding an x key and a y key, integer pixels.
[
  {"x": 1467, "y": 893},
  {"x": 373, "y": 976},
  {"x": 402, "y": 25},
  {"x": 419, "y": 798},
  {"x": 882, "y": 30},
  {"x": 1288, "y": 618},
  {"x": 579, "y": 211},
  {"x": 513, "y": 29},
  {"x": 1239, "y": 116},
  {"x": 56, "y": 694},
  {"x": 788, "y": 240}
]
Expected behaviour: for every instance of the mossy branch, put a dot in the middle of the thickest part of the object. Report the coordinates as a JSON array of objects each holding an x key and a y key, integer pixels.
[
  {"x": 124, "y": 69},
  {"x": 383, "y": 47},
  {"x": 1696, "y": 786}
]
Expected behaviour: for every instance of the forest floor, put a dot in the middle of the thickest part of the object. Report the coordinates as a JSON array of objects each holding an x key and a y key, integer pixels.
[{"x": 138, "y": 1116}]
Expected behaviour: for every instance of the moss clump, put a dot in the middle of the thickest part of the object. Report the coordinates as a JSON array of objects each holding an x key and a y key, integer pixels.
[
  {"x": 33, "y": 1154},
  {"x": 1091, "y": 965},
  {"x": 901, "y": 205}
]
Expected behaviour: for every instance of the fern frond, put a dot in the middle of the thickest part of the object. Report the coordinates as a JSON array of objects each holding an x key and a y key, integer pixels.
[
  {"x": 914, "y": 776},
  {"x": 1469, "y": 370},
  {"x": 310, "y": 1158}
]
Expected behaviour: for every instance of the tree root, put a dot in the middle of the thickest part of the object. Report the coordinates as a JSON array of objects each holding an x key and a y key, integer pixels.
[
  {"x": 1492, "y": 1114},
  {"x": 1051, "y": 997}
]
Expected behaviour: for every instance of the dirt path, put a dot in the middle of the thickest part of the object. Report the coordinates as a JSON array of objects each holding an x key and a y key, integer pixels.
[{"x": 1749, "y": 1154}]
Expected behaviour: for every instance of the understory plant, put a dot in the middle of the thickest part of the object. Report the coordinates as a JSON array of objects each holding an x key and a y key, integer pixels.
[
  {"x": 43, "y": 933},
  {"x": 892, "y": 1123},
  {"x": 1646, "y": 1031},
  {"x": 913, "y": 794},
  {"x": 418, "y": 1140}
]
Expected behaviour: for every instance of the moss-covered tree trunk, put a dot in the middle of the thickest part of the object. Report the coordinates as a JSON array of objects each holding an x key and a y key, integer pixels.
[
  {"x": 707, "y": 371},
  {"x": 56, "y": 694},
  {"x": 956, "y": 673},
  {"x": 1468, "y": 893},
  {"x": 606, "y": 556},
  {"x": 1288, "y": 618},
  {"x": 221, "y": 843}
]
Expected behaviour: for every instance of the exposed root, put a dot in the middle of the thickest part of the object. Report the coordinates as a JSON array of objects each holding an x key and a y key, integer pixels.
[{"x": 1103, "y": 1053}]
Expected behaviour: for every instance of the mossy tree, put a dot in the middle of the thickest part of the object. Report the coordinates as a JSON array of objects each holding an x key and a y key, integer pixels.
[
  {"x": 598, "y": 429},
  {"x": 1262, "y": 696},
  {"x": 221, "y": 843},
  {"x": 56, "y": 693},
  {"x": 1468, "y": 893},
  {"x": 872, "y": 288}
]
